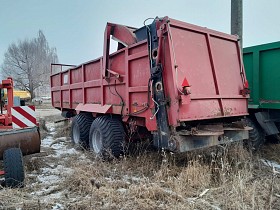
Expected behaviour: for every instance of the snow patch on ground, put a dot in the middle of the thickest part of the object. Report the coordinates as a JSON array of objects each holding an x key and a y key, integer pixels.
[
  {"x": 57, "y": 206},
  {"x": 46, "y": 142},
  {"x": 51, "y": 127},
  {"x": 61, "y": 149},
  {"x": 58, "y": 170},
  {"x": 48, "y": 179},
  {"x": 58, "y": 144},
  {"x": 122, "y": 190},
  {"x": 270, "y": 163}
]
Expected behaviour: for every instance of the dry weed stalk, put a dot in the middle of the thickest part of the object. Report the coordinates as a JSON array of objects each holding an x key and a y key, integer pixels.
[{"x": 63, "y": 130}]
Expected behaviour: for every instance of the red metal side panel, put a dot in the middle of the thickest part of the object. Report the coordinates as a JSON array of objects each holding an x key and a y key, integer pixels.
[
  {"x": 93, "y": 95},
  {"x": 56, "y": 99},
  {"x": 92, "y": 71},
  {"x": 114, "y": 87},
  {"x": 138, "y": 77},
  {"x": 65, "y": 99},
  {"x": 77, "y": 97},
  {"x": 55, "y": 84},
  {"x": 138, "y": 70},
  {"x": 209, "y": 61},
  {"x": 117, "y": 62},
  {"x": 92, "y": 82},
  {"x": 55, "y": 80},
  {"x": 83, "y": 88},
  {"x": 111, "y": 96},
  {"x": 193, "y": 61},
  {"x": 76, "y": 75},
  {"x": 227, "y": 66}
]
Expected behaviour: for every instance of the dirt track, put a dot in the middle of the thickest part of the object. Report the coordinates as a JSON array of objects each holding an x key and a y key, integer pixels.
[{"x": 47, "y": 112}]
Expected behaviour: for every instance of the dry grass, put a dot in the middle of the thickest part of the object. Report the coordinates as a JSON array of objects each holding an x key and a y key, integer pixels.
[
  {"x": 43, "y": 128},
  {"x": 63, "y": 129},
  {"x": 271, "y": 152},
  {"x": 227, "y": 177},
  {"x": 233, "y": 178}
]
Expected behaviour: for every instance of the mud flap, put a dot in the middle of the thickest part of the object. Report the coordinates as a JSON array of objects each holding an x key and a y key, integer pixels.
[
  {"x": 266, "y": 123},
  {"x": 187, "y": 142}
]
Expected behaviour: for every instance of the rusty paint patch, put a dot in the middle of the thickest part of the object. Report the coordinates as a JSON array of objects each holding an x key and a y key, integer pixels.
[{"x": 227, "y": 111}]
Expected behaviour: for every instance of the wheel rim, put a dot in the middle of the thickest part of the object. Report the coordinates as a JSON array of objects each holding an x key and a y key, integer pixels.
[
  {"x": 96, "y": 141},
  {"x": 76, "y": 134}
]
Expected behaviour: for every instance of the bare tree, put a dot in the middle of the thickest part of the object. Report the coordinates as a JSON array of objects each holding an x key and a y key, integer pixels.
[{"x": 28, "y": 63}]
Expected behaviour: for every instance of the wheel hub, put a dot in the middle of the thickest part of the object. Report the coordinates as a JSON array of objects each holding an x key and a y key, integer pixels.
[
  {"x": 76, "y": 134},
  {"x": 96, "y": 141}
]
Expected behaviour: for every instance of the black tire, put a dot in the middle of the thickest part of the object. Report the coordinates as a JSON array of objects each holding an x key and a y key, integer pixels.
[
  {"x": 13, "y": 167},
  {"x": 256, "y": 135},
  {"x": 107, "y": 137},
  {"x": 80, "y": 129}
]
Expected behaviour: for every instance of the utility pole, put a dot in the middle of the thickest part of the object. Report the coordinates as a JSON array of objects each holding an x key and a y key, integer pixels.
[{"x": 237, "y": 19}]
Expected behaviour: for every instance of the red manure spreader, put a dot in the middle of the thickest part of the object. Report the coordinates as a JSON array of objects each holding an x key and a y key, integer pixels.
[{"x": 180, "y": 85}]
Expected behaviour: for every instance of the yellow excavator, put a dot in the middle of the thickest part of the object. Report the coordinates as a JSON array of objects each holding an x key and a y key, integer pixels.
[{"x": 23, "y": 95}]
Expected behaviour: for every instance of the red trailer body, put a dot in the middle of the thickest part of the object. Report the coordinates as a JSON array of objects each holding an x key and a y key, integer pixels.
[{"x": 165, "y": 76}]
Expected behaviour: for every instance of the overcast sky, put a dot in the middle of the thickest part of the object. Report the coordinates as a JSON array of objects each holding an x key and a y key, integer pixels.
[{"x": 76, "y": 28}]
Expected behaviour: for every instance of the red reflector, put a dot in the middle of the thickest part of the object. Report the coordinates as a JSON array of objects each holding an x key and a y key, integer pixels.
[
  {"x": 2, "y": 173},
  {"x": 185, "y": 83},
  {"x": 246, "y": 84}
]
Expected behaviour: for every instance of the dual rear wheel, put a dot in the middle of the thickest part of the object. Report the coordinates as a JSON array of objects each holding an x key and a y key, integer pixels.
[
  {"x": 80, "y": 129},
  {"x": 103, "y": 135}
]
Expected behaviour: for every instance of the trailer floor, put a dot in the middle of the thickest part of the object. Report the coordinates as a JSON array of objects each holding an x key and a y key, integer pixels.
[{"x": 61, "y": 177}]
